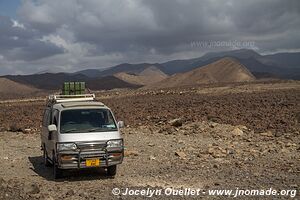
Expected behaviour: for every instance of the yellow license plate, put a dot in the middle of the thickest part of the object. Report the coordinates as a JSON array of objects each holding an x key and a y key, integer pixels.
[{"x": 92, "y": 162}]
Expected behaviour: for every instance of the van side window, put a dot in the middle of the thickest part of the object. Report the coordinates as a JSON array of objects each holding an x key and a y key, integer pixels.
[{"x": 46, "y": 117}]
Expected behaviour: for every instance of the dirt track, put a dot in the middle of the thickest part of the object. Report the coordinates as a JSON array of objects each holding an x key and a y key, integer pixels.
[{"x": 200, "y": 154}]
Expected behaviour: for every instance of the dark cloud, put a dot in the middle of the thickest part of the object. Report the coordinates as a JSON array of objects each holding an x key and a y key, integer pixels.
[
  {"x": 19, "y": 43},
  {"x": 33, "y": 50},
  {"x": 74, "y": 34}
]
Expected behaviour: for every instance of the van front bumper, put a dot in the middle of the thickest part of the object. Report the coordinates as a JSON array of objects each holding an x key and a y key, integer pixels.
[{"x": 78, "y": 159}]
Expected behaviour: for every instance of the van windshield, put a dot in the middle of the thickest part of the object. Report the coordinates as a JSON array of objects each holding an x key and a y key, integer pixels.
[{"x": 87, "y": 120}]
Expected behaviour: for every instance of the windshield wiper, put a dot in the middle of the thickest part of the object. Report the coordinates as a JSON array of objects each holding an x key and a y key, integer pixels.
[
  {"x": 96, "y": 129},
  {"x": 70, "y": 130},
  {"x": 101, "y": 129},
  {"x": 74, "y": 130}
]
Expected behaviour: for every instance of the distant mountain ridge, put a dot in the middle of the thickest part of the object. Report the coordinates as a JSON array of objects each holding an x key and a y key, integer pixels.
[
  {"x": 50, "y": 81},
  {"x": 128, "y": 68},
  {"x": 92, "y": 73},
  {"x": 280, "y": 65},
  {"x": 46, "y": 81}
]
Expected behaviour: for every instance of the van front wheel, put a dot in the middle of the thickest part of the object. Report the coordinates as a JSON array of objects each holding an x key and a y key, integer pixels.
[
  {"x": 57, "y": 173},
  {"x": 112, "y": 170}
]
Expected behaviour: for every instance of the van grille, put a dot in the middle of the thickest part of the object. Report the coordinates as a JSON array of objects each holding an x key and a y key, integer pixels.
[{"x": 91, "y": 146}]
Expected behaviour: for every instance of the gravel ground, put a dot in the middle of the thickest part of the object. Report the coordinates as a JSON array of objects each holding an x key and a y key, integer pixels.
[{"x": 216, "y": 148}]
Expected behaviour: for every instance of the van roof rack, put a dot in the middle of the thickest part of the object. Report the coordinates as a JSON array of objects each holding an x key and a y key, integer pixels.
[{"x": 53, "y": 99}]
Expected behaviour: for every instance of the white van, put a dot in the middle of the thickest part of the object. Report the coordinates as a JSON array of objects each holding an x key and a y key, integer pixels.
[{"x": 79, "y": 132}]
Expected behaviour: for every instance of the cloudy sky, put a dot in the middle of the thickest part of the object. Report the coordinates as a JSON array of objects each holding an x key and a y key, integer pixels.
[{"x": 69, "y": 35}]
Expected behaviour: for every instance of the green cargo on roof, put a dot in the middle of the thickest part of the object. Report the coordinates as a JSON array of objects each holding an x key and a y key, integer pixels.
[{"x": 73, "y": 88}]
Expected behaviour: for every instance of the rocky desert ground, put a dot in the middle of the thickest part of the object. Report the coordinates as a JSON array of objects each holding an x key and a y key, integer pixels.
[{"x": 216, "y": 136}]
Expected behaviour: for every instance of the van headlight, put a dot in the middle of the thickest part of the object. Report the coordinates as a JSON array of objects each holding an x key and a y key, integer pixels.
[
  {"x": 115, "y": 143},
  {"x": 66, "y": 146}
]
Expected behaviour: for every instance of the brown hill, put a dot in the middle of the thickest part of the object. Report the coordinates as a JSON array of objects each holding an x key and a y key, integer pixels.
[
  {"x": 46, "y": 81},
  {"x": 108, "y": 83},
  {"x": 10, "y": 87},
  {"x": 224, "y": 70},
  {"x": 148, "y": 76}
]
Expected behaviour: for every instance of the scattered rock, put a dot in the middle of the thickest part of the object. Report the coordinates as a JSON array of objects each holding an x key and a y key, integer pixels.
[
  {"x": 191, "y": 149},
  {"x": 213, "y": 118},
  {"x": 278, "y": 134},
  {"x": 180, "y": 154},
  {"x": 176, "y": 122},
  {"x": 294, "y": 186},
  {"x": 170, "y": 130},
  {"x": 129, "y": 153},
  {"x": 285, "y": 150},
  {"x": 242, "y": 127},
  {"x": 27, "y": 130},
  {"x": 213, "y": 124},
  {"x": 49, "y": 198},
  {"x": 152, "y": 158},
  {"x": 230, "y": 151},
  {"x": 267, "y": 134},
  {"x": 217, "y": 152},
  {"x": 180, "y": 142},
  {"x": 15, "y": 128},
  {"x": 211, "y": 150},
  {"x": 219, "y": 155},
  {"x": 31, "y": 188},
  {"x": 289, "y": 144},
  {"x": 237, "y": 132},
  {"x": 71, "y": 192}
]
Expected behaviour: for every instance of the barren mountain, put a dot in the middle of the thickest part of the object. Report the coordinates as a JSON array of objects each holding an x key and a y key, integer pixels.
[
  {"x": 148, "y": 76},
  {"x": 46, "y": 81},
  {"x": 128, "y": 68},
  {"x": 224, "y": 70},
  {"x": 108, "y": 83},
  {"x": 10, "y": 87}
]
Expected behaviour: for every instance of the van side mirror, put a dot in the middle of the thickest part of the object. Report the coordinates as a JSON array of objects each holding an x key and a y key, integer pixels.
[
  {"x": 52, "y": 128},
  {"x": 121, "y": 124}
]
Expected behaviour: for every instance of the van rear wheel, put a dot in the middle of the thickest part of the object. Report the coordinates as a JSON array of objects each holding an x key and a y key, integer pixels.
[
  {"x": 45, "y": 157},
  {"x": 112, "y": 170}
]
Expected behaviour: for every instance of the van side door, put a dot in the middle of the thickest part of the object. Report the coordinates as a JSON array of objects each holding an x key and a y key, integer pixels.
[
  {"x": 46, "y": 121},
  {"x": 53, "y": 136}
]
